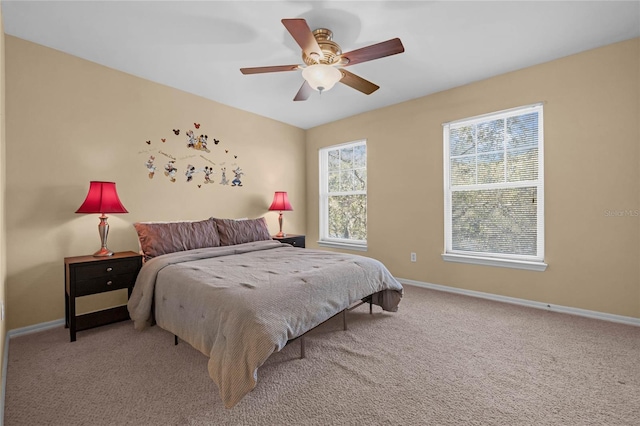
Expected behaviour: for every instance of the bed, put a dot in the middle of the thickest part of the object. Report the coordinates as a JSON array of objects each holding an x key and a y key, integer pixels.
[{"x": 231, "y": 292}]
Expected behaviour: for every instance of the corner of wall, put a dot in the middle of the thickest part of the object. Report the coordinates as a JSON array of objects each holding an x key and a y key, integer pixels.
[{"x": 3, "y": 273}]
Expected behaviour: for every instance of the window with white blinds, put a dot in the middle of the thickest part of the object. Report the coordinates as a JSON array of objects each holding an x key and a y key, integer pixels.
[{"x": 494, "y": 189}]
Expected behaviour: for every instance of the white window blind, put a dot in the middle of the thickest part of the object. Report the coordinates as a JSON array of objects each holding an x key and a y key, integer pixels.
[{"x": 494, "y": 187}]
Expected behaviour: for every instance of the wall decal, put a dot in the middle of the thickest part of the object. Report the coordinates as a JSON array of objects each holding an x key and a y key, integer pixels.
[
  {"x": 170, "y": 170},
  {"x": 197, "y": 167},
  {"x": 224, "y": 180},
  {"x": 190, "y": 172},
  {"x": 199, "y": 143},
  {"x": 208, "y": 171},
  {"x": 238, "y": 173},
  {"x": 150, "y": 166}
]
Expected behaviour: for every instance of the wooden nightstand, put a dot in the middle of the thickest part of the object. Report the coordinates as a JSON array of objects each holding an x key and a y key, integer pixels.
[
  {"x": 294, "y": 240},
  {"x": 85, "y": 275}
]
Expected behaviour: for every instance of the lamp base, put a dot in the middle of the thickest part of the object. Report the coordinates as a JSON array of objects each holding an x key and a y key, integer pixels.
[
  {"x": 103, "y": 230},
  {"x": 103, "y": 252},
  {"x": 280, "y": 234}
]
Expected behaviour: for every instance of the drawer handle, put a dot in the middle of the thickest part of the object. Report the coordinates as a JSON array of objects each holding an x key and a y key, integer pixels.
[
  {"x": 109, "y": 269},
  {"x": 109, "y": 282}
]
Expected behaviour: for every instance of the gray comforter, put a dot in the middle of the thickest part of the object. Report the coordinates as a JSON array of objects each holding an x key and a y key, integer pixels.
[{"x": 239, "y": 304}]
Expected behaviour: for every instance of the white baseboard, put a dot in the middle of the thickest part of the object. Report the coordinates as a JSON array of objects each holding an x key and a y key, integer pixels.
[
  {"x": 35, "y": 328},
  {"x": 529, "y": 303}
]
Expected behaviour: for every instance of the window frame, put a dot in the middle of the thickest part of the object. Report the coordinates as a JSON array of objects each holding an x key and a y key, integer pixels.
[
  {"x": 528, "y": 262},
  {"x": 323, "y": 211}
]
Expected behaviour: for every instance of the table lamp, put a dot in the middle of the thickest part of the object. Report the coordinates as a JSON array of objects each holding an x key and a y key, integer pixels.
[
  {"x": 102, "y": 198},
  {"x": 280, "y": 203}
]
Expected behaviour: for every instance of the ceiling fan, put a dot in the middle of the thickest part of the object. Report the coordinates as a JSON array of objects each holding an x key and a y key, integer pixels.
[{"x": 326, "y": 62}]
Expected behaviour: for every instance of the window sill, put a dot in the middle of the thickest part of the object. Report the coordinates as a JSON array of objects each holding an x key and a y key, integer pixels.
[
  {"x": 493, "y": 261},
  {"x": 340, "y": 245}
]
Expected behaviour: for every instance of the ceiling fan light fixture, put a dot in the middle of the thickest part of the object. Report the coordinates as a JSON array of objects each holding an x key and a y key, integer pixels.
[{"x": 321, "y": 77}]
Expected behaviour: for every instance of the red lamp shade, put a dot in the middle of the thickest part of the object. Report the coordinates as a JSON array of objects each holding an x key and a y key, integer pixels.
[
  {"x": 102, "y": 198},
  {"x": 280, "y": 202}
]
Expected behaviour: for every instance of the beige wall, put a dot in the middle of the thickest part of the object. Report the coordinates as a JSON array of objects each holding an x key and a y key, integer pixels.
[
  {"x": 70, "y": 121},
  {"x": 3, "y": 246},
  {"x": 592, "y": 141}
]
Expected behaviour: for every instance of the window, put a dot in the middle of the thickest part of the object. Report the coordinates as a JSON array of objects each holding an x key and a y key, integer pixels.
[
  {"x": 494, "y": 189},
  {"x": 343, "y": 196}
]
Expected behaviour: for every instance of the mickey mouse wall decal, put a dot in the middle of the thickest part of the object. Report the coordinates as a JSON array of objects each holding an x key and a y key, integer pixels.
[{"x": 200, "y": 162}]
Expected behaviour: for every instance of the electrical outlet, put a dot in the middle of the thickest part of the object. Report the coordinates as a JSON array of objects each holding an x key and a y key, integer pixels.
[{"x": 413, "y": 257}]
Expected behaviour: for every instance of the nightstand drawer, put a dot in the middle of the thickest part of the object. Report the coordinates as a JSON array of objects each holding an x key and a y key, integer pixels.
[
  {"x": 106, "y": 268},
  {"x": 104, "y": 283},
  {"x": 294, "y": 240}
]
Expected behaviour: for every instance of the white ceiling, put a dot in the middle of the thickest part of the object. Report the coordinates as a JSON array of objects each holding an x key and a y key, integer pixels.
[{"x": 199, "y": 46}]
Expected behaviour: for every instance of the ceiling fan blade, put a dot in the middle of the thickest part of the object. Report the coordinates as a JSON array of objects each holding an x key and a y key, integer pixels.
[
  {"x": 277, "y": 68},
  {"x": 304, "y": 92},
  {"x": 358, "y": 83},
  {"x": 375, "y": 51},
  {"x": 301, "y": 33}
]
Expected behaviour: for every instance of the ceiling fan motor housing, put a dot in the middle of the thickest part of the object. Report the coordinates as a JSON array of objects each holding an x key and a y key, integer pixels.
[{"x": 330, "y": 49}]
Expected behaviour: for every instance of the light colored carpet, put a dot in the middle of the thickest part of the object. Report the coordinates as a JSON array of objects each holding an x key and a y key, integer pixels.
[{"x": 443, "y": 359}]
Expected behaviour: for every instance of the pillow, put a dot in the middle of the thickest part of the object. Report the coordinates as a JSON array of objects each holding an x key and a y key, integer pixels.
[
  {"x": 242, "y": 231},
  {"x": 157, "y": 238}
]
